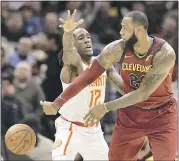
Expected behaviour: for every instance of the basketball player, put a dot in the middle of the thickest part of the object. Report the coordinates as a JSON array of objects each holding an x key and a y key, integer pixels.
[
  {"x": 72, "y": 136},
  {"x": 148, "y": 107}
]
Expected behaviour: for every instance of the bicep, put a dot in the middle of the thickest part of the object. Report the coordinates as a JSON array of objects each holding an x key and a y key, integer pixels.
[{"x": 162, "y": 65}]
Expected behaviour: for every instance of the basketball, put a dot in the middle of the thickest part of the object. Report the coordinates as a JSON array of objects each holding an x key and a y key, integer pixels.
[{"x": 20, "y": 139}]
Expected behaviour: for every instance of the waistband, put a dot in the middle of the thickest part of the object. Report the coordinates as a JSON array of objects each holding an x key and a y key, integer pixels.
[
  {"x": 77, "y": 123},
  {"x": 170, "y": 102}
]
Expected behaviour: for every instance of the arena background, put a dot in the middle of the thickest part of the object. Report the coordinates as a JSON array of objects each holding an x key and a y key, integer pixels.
[{"x": 30, "y": 32}]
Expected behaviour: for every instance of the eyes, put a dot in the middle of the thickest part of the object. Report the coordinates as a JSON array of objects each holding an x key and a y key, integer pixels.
[
  {"x": 83, "y": 36},
  {"x": 124, "y": 28}
]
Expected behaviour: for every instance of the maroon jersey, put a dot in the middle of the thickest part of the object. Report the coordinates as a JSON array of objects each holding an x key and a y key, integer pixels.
[{"x": 133, "y": 70}]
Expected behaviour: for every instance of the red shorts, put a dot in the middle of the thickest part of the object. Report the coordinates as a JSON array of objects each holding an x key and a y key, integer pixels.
[{"x": 134, "y": 124}]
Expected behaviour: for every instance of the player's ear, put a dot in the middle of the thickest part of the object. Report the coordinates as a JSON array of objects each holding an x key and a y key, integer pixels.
[{"x": 137, "y": 29}]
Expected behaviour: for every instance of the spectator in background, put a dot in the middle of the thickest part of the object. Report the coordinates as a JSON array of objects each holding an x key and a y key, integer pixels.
[
  {"x": 13, "y": 108},
  {"x": 22, "y": 53},
  {"x": 5, "y": 67},
  {"x": 51, "y": 23},
  {"x": 39, "y": 69},
  {"x": 107, "y": 32},
  {"x": 36, "y": 6},
  {"x": 12, "y": 28},
  {"x": 169, "y": 32},
  {"x": 169, "y": 25},
  {"x": 27, "y": 89},
  {"x": 52, "y": 84},
  {"x": 4, "y": 11},
  {"x": 40, "y": 42},
  {"x": 32, "y": 23},
  {"x": 139, "y": 6}
]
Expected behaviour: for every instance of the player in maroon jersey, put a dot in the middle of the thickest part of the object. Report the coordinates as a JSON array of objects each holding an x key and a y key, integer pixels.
[{"x": 148, "y": 108}]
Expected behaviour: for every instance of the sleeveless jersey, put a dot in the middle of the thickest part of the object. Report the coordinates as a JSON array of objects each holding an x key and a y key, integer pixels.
[
  {"x": 133, "y": 70},
  {"x": 77, "y": 107}
]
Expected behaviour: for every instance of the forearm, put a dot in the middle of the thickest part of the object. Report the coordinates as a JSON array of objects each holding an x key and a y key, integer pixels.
[
  {"x": 126, "y": 100},
  {"x": 118, "y": 85},
  {"x": 116, "y": 80},
  {"x": 68, "y": 42},
  {"x": 84, "y": 79}
]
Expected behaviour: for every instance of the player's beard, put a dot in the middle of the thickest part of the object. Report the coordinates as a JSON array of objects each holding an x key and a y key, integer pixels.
[{"x": 130, "y": 43}]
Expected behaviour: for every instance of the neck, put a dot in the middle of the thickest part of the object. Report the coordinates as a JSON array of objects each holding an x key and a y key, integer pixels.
[
  {"x": 143, "y": 43},
  {"x": 87, "y": 60}
]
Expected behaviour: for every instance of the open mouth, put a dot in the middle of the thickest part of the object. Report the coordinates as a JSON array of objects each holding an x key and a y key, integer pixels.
[{"x": 88, "y": 47}]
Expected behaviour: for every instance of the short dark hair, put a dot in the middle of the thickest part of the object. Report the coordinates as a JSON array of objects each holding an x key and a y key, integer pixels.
[
  {"x": 60, "y": 58},
  {"x": 139, "y": 18}
]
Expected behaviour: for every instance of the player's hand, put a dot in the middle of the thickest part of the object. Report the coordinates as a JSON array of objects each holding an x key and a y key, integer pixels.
[
  {"x": 95, "y": 114},
  {"x": 49, "y": 108},
  {"x": 69, "y": 24}
]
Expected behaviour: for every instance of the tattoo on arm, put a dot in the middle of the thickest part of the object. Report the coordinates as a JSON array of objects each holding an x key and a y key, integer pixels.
[
  {"x": 163, "y": 62},
  {"x": 111, "y": 54}
]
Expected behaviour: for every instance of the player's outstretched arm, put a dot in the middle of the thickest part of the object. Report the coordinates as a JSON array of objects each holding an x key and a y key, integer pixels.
[
  {"x": 163, "y": 62},
  {"x": 110, "y": 55},
  {"x": 69, "y": 25},
  {"x": 115, "y": 79},
  {"x": 72, "y": 62}
]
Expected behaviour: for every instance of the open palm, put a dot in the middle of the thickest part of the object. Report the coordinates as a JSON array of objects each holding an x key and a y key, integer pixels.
[{"x": 70, "y": 24}]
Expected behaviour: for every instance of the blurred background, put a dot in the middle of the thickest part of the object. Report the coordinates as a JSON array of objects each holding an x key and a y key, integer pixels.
[{"x": 30, "y": 43}]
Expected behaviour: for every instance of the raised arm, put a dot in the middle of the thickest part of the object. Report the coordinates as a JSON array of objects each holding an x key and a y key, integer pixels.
[
  {"x": 72, "y": 65},
  {"x": 163, "y": 61}
]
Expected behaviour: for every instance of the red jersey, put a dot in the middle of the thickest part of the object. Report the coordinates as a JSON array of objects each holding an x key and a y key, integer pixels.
[{"x": 133, "y": 70}]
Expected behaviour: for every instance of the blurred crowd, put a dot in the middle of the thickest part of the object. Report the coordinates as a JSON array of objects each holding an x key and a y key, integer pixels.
[{"x": 30, "y": 42}]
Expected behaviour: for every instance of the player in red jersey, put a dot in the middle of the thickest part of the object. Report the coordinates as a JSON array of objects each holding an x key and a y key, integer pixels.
[{"x": 148, "y": 108}]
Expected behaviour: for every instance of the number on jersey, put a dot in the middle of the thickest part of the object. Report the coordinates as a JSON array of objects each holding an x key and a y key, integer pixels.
[
  {"x": 135, "y": 80},
  {"x": 94, "y": 95}
]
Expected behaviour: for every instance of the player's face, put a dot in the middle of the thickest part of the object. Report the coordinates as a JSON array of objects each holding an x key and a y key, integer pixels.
[
  {"x": 128, "y": 32},
  {"x": 83, "y": 42}
]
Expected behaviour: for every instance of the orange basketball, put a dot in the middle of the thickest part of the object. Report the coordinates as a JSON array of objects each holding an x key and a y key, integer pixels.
[{"x": 20, "y": 138}]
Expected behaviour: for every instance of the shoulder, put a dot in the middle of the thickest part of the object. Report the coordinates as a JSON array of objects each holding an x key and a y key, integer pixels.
[
  {"x": 166, "y": 52},
  {"x": 34, "y": 85},
  {"x": 111, "y": 53},
  {"x": 164, "y": 59},
  {"x": 115, "y": 46}
]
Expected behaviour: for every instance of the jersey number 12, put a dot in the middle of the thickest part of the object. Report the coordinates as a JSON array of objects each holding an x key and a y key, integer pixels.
[{"x": 94, "y": 97}]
